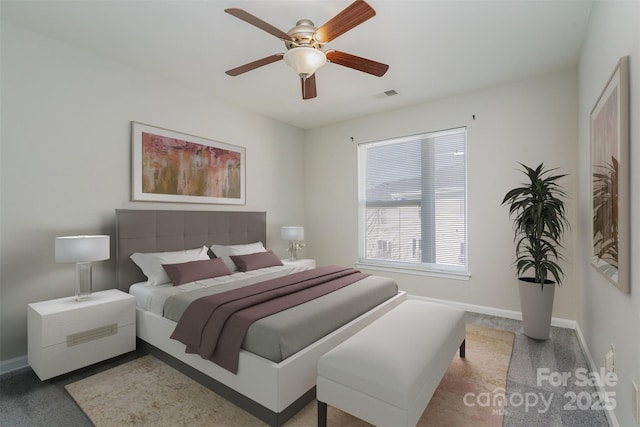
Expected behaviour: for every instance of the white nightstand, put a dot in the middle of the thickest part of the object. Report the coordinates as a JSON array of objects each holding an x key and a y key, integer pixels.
[
  {"x": 65, "y": 334},
  {"x": 309, "y": 263}
]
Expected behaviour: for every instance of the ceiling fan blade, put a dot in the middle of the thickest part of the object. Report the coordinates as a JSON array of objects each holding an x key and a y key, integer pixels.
[
  {"x": 357, "y": 63},
  {"x": 353, "y": 15},
  {"x": 257, "y": 22},
  {"x": 255, "y": 64},
  {"x": 309, "y": 87}
]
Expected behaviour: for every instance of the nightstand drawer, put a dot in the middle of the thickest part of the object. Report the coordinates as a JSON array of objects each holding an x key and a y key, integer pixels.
[
  {"x": 58, "y": 326},
  {"x": 66, "y": 334},
  {"x": 61, "y": 358}
]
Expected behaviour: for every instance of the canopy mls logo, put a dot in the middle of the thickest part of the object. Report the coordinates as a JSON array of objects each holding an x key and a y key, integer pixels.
[
  {"x": 500, "y": 402},
  {"x": 572, "y": 400}
]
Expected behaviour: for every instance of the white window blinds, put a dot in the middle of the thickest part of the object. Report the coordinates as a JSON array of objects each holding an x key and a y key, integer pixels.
[{"x": 413, "y": 202}]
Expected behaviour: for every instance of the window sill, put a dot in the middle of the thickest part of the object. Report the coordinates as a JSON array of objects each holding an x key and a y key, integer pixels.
[{"x": 414, "y": 271}]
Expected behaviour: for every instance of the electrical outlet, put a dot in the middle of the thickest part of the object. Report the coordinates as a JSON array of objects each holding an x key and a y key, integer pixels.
[
  {"x": 610, "y": 359},
  {"x": 635, "y": 402}
]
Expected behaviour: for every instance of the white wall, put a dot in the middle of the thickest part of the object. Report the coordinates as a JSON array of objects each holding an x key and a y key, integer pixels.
[
  {"x": 66, "y": 162},
  {"x": 608, "y": 316},
  {"x": 530, "y": 122}
]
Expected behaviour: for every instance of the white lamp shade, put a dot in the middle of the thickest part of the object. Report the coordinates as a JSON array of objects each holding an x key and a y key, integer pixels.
[
  {"x": 70, "y": 249},
  {"x": 292, "y": 233},
  {"x": 305, "y": 60}
]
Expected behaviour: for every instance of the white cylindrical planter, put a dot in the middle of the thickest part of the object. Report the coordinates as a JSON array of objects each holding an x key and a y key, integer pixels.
[{"x": 537, "y": 307}]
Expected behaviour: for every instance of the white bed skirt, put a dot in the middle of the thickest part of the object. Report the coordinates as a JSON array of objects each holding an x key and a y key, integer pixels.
[{"x": 273, "y": 385}]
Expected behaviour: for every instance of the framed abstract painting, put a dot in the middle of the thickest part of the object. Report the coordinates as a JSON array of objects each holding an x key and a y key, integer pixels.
[
  {"x": 610, "y": 179},
  {"x": 169, "y": 166}
]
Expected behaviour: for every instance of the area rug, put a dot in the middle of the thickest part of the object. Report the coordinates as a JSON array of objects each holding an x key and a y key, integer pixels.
[{"x": 148, "y": 392}]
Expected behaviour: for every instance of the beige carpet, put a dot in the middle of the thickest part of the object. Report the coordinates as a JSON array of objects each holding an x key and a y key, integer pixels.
[{"x": 147, "y": 392}]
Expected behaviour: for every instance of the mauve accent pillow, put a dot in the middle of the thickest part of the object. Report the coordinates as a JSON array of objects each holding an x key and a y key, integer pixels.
[
  {"x": 191, "y": 271},
  {"x": 224, "y": 251},
  {"x": 255, "y": 261}
]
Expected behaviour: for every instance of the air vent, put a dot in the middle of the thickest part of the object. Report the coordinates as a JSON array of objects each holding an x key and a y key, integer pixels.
[{"x": 386, "y": 93}]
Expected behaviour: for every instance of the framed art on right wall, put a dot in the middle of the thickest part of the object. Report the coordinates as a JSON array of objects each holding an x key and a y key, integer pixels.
[{"x": 610, "y": 179}]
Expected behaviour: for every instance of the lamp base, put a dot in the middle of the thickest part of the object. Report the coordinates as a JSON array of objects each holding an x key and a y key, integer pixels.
[
  {"x": 293, "y": 249},
  {"x": 83, "y": 284}
]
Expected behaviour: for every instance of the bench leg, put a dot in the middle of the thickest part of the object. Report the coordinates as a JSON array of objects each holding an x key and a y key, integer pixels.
[
  {"x": 322, "y": 414},
  {"x": 462, "y": 348}
]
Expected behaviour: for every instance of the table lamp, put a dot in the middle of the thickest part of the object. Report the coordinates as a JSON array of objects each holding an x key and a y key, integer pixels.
[
  {"x": 82, "y": 250},
  {"x": 293, "y": 235}
]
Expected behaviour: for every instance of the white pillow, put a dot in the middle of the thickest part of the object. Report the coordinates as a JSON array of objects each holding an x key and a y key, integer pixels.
[
  {"x": 151, "y": 263},
  {"x": 225, "y": 251}
]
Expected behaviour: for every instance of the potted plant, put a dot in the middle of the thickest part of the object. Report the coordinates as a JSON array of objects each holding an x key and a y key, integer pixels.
[{"x": 539, "y": 220}]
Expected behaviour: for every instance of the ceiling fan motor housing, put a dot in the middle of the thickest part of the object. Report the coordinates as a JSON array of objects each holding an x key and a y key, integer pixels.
[{"x": 303, "y": 34}]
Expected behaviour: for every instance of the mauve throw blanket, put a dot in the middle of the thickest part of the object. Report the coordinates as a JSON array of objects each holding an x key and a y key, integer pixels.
[{"x": 215, "y": 326}]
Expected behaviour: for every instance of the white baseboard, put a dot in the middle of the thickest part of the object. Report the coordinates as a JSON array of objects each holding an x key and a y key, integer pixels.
[
  {"x": 13, "y": 364},
  {"x": 492, "y": 311},
  {"x": 611, "y": 416}
]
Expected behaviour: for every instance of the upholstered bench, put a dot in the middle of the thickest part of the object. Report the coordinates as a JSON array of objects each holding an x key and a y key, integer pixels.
[{"x": 386, "y": 373}]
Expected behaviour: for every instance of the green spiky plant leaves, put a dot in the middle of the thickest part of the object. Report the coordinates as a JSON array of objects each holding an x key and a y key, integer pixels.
[{"x": 539, "y": 221}]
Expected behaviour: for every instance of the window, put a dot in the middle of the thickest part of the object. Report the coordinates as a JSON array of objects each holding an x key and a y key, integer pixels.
[{"x": 413, "y": 202}]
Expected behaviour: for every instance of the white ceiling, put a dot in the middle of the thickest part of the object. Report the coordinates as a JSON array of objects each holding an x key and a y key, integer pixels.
[{"x": 434, "y": 48}]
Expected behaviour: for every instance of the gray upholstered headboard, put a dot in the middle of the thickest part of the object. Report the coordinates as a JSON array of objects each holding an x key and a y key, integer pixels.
[{"x": 163, "y": 230}]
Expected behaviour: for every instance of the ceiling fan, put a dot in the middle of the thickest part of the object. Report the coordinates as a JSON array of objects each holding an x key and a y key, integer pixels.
[{"x": 305, "y": 45}]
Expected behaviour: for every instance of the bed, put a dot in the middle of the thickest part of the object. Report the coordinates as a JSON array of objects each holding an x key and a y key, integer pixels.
[{"x": 273, "y": 391}]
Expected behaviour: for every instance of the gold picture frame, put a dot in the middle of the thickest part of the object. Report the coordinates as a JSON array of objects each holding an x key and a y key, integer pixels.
[{"x": 610, "y": 179}]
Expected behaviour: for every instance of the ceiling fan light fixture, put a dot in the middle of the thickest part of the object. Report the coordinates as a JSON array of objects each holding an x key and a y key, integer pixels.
[{"x": 305, "y": 60}]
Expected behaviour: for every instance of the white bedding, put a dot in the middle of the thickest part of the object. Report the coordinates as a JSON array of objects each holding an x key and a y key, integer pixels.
[{"x": 152, "y": 298}]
